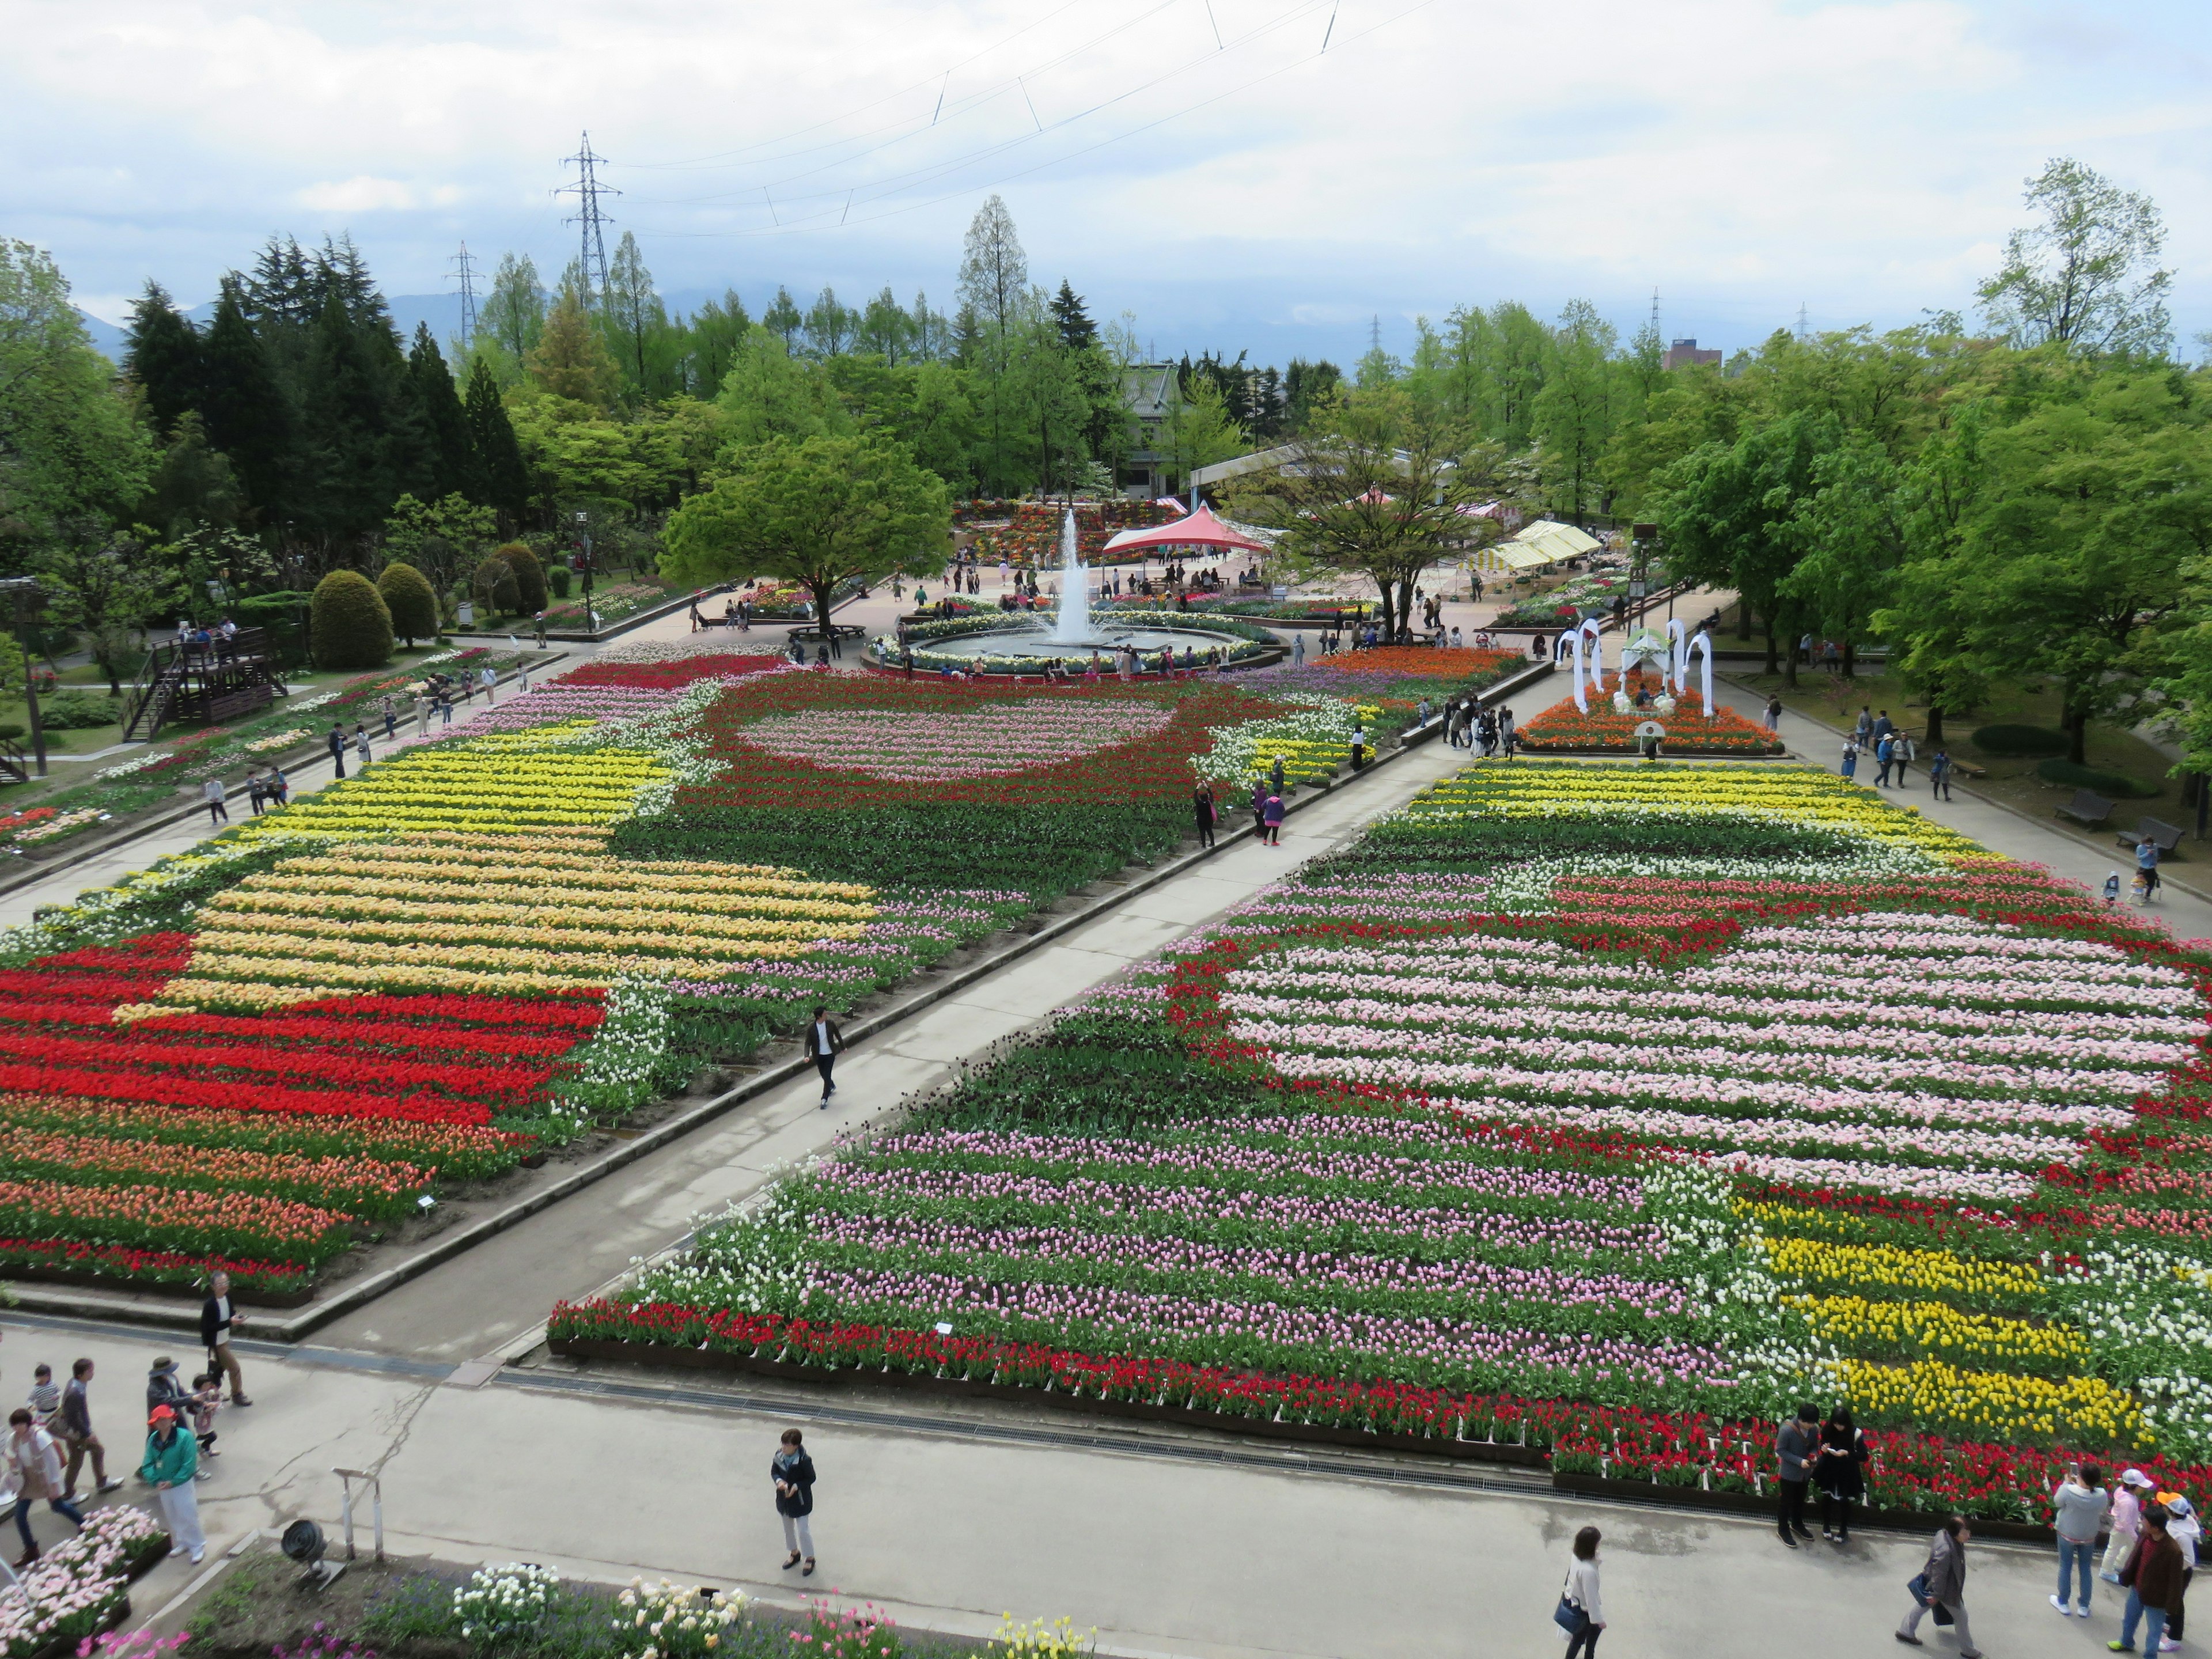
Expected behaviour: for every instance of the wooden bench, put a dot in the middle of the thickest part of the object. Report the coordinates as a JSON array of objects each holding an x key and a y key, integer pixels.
[
  {"x": 2160, "y": 834},
  {"x": 2088, "y": 808}
]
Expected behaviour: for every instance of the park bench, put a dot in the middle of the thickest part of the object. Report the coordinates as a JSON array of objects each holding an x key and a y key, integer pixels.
[
  {"x": 2088, "y": 808},
  {"x": 2160, "y": 834}
]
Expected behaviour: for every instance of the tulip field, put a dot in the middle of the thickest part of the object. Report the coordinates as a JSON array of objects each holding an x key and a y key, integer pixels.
[
  {"x": 1608, "y": 1108},
  {"x": 499, "y": 934}
]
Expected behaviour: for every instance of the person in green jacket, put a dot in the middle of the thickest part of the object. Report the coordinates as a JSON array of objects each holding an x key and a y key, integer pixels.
[{"x": 172, "y": 1461}]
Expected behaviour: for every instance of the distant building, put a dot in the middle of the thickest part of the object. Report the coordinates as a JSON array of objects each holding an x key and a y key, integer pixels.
[
  {"x": 1683, "y": 353},
  {"x": 1146, "y": 389}
]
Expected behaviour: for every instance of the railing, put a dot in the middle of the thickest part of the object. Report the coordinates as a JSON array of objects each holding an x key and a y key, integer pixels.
[{"x": 14, "y": 765}]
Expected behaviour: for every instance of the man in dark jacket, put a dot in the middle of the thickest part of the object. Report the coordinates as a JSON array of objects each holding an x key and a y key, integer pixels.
[
  {"x": 2155, "y": 1591},
  {"x": 337, "y": 742},
  {"x": 1793, "y": 1443},
  {"x": 825, "y": 1042},
  {"x": 77, "y": 1435},
  {"x": 215, "y": 1321}
]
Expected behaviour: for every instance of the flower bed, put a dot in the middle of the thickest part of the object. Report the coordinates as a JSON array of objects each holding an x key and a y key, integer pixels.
[
  {"x": 1030, "y": 536},
  {"x": 1564, "y": 729},
  {"x": 1633, "y": 1104},
  {"x": 302, "y": 1033},
  {"x": 80, "y": 1587}
]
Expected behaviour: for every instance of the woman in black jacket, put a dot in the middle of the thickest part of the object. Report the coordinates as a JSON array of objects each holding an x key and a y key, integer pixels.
[
  {"x": 792, "y": 1471},
  {"x": 1839, "y": 1473}
]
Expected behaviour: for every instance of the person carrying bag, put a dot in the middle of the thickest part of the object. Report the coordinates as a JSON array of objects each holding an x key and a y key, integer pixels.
[{"x": 1581, "y": 1613}]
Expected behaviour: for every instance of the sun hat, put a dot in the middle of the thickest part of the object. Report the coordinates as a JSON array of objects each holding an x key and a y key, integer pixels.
[{"x": 2138, "y": 1478}]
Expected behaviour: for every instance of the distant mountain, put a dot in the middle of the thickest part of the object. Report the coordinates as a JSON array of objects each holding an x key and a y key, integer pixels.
[{"x": 106, "y": 339}]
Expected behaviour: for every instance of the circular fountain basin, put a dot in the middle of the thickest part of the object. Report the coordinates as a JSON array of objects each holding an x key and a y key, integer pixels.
[{"x": 1104, "y": 641}]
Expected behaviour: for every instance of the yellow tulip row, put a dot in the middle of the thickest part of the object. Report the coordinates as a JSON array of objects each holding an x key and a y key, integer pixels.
[
  {"x": 220, "y": 928},
  {"x": 1945, "y": 1399},
  {"x": 491, "y": 787},
  {"x": 582, "y": 851},
  {"x": 1937, "y": 1330},
  {"x": 1797, "y": 794},
  {"x": 461, "y": 899},
  {"x": 426, "y": 918},
  {"x": 1928, "y": 1272}
]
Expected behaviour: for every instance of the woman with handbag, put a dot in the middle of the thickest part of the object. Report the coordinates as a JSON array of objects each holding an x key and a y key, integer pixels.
[{"x": 1580, "y": 1613}]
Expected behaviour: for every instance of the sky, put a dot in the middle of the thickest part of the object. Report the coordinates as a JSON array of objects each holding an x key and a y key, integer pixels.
[{"x": 1277, "y": 176}]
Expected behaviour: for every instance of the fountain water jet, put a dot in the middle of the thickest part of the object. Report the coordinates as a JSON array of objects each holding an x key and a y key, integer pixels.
[{"x": 1072, "y": 622}]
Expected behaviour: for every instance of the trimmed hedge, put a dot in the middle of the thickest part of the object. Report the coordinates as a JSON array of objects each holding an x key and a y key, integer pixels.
[
  {"x": 2118, "y": 785},
  {"x": 529, "y": 577},
  {"x": 2020, "y": 741},
  {"x": 348, "y": 624},
  {"x": 411, "y": 600}
]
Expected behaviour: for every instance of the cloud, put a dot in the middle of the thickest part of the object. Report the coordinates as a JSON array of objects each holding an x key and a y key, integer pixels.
[
  {"x": 1743, "y": 156},
  {"x": 359, "y": 194}
]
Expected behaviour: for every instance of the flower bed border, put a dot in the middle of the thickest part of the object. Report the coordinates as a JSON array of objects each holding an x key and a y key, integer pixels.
[
  {"x": 713, "y": 1359},
  {"x": 1744, "y": 1502},
  {"x": 249, "y": 1296}
]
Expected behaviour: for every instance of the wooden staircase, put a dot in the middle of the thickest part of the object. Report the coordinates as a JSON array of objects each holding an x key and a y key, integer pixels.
[{"x": 218, "y": 681}]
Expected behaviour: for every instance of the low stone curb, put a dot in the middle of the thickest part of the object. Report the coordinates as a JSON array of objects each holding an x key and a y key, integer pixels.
[
  {"x": 438, "y": 1251},
  {"x": 1744, "y": 1502}
]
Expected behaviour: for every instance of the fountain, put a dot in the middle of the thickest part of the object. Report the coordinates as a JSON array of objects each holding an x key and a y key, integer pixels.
[
  {"x": 1072, "y": 626},
  {"x": 1027, "y": 646}
]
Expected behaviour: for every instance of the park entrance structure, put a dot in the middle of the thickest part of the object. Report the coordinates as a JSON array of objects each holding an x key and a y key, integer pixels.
[{"x": 210, "y": 680}]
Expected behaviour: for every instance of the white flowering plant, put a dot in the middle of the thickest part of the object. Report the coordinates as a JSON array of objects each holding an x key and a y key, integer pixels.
[
  {"x": 505, "y": 1604},
  {"x": 668, "y": 1620}
]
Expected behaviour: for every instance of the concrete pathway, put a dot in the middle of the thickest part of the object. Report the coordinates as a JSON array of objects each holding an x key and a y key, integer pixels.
[{"x": 1168, "y": 1542}]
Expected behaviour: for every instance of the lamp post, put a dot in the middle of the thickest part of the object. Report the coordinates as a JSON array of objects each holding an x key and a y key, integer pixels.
[{"x": 28, "y": 600}]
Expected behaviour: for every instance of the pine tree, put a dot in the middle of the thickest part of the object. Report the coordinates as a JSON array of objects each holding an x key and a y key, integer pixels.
[
  {"x": 1077, "y": 331},
  {"x": 994, "y": 272},
  {"x": 783, "y": 317},
  {"x": 452, "y": 457},
  {"x": 714, "y": 334},
  {"x": 163, "y": 356},
  {"x": 505, "y": 479},
  {"x": 349, "y": 481},
  {"x": 633, "y": 314},
  {"x": 249, "y": 415},
  {"x": 571, "y": 360}
]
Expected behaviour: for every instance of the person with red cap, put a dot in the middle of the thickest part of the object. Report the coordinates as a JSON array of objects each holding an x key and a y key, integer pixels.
[{"x": 171, "y": 1463}]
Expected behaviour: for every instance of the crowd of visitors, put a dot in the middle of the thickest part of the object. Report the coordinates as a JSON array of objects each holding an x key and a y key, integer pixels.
[{"x": 51, "y": 1436}]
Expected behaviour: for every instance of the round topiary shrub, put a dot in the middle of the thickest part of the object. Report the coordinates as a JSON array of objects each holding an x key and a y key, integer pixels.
[
  {"x": 412, "y": 602},
  {"x": 348, "y": 625},
  {"x": 528, "y": 576},
  {"x": 2022, "y": 741},
  {"x": 558, "y": 579},
  {"x": 2117, "y": 784}
]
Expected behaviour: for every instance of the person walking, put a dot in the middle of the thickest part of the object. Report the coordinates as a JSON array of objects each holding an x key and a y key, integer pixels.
[
  {"x": 792, "y": 1472},
  {"x": 1774, "y": 712},
  {"x": 1794, "y": 1446},
  {"x": 2147, "y": 866},
  {"x": 45, "y": 1401},
  {"x": 490, "y": 680},
  {"x": 1941, "y": 1583},
  {"x": 1582, "y": 1610},
  {"x": 1885, "y": 755},
  {"x": 391, "y": 718},
  {"x": 422, "y": 714},
  {"x": 1839, "y": 1473},
  {"x": 2079, "y": 1506},
  {"x": 1201, "y": 810},
  {"x": 1505, "y": 732},
  {"x": 257, "y": 792},
  {"x": 213, "y": 792},
  {"x": 76, "y": 1433},
  {"x": 360, "y": 744},
  {"x": 171, "y": 1466},
  {"x": 1260, "y": 809},
  {"x": 280, "y": 786},
  {"x": 1271, "y": 815},
  {"x": 1863, "y": 729},
  {"x": 1298, "y": 650},
  {"x": 1358, "y": 747},
  {"x": 337, "y": 745},
  {"x": 1850, "y": 758},
  {"x": 163, "y": 1386},
  {"x": 825, "y": 1042},
  {"x": 1275, "y": 776},
  {"x": 31, "y": 1469},
  {"x": 2181, "y": 1525},
  {"x": 2129, "y": 1492},
  {"x": 1939, "y": 775},
  {"x": 2153, "y": 1576},
  {"x": 217, "y": 1319}
]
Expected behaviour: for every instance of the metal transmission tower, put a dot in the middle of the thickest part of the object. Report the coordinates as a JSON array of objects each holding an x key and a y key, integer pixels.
[
  {"x": 588, "y": 189},
  {"x": 465, "y": 274}
]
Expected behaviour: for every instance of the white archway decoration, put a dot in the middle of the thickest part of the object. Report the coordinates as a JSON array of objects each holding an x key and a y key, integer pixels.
[
  {"x": 1678, "y": 639},
  {"x": 1703, "y": 642}
]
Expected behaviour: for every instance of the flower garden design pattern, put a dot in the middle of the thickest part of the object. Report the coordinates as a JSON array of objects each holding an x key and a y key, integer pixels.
[
  {"x": 491, "y": 941},
  {"x": 1607, "y": 1108}
]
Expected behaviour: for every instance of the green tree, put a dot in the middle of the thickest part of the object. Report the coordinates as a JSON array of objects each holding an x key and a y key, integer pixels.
[
  {"x": 249, "y": 413},
  {"x": 769, "y": 392},
  {"x": 454, "y": 470},
  {"x": 2084, "y": 279},
  {"x": 715, "y": 331},
  {"x": 571, "y": 358},
  {"x": 2074, "y": 564},
  {"x": 514, "y": 313},
  {"x": 162, "y": 356},
  {"x": 784, "y": 319},
  {"x": 102, "y": 586},
  {"x": 1375, "y": 492},
  {"x": 528, "y": 576},
  {"x": 818, "y": 512},
  {"x": 410, "y": 601},
  {"x": 506, "y": 479},
  {"x": 69, "y": 444},
  {"x": 830, "y": 325},
  {"x": 348, "y": 623},
  {"x": 194, "y": 485},
  {"x": 1575, "y": 414},
  {"x": 884, "y": 329}
]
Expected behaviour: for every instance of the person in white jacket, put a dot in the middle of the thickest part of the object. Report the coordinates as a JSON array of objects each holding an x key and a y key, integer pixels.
[
  {"x": 31, "y": 1468},
  {"x": 1581, "y": 1591}
]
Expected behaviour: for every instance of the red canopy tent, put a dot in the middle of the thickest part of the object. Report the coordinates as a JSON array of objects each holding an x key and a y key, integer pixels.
[{"x": 1199, "y": 529}]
